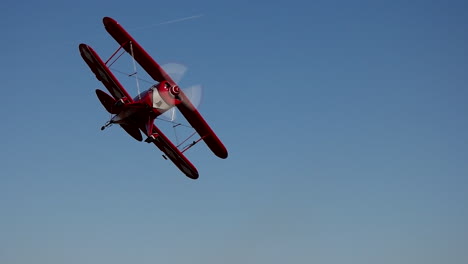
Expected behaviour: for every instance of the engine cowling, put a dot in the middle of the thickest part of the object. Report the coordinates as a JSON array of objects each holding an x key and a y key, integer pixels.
[{"x": 165, "y": 96}]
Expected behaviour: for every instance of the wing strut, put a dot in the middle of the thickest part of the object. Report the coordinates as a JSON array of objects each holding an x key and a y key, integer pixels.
[
  {"x": 192, "y": 144},
  {"x": 113, "y": 54},
  {"x": 134, "y": 69}
]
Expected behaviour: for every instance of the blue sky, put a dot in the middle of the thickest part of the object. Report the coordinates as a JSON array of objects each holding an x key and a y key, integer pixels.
[{"x": 345, "y": 121}]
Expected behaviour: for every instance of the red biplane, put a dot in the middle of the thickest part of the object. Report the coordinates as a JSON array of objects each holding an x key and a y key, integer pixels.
[{"x": 139, "y": 113}]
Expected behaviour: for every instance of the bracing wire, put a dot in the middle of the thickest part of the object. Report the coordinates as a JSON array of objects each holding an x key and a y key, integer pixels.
[
  {"x": 175, "y": 134},
  {"x": 174, "y": 123},
  {"x": 174, "y": 126},
  {"x": 131, "y": 75}
]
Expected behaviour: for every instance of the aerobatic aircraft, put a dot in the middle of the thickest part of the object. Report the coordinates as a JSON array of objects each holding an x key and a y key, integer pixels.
[{"x": 138, "y": 114}]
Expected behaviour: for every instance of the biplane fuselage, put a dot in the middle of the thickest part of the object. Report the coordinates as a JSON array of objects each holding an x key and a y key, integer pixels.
[
  {"x": 137, "y": 115},
  {"x": 151, "y": 103}
]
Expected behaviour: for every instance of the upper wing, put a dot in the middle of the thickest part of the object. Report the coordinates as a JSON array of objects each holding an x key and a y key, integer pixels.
[
  {"x": 201, "y": 126},
  {"x": 103, "y": 73},
  {"x": 158, "y": 74},
  {"x": 171, "y": 151},
  {"x": 134, "y": 49}
]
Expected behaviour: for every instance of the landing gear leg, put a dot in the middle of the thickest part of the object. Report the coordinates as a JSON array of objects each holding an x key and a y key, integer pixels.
[
  {"x": 149, "y": 131},
  {"x": 151, "y": 138},
  {"x": 106, "y": 125}
]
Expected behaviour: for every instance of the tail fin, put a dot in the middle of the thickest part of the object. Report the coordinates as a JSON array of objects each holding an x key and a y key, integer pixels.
[{"x": 107, "y": 101}]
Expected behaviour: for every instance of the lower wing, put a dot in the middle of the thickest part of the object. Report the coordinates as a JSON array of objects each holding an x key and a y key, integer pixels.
[
  {"x": 174, "y": 154},
  {"x": 103, "y": 73}
]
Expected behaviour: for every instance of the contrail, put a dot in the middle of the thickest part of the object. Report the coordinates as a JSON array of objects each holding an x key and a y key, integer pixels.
[
  {"x": 169, "y": 22},
  {"x": 180, "y": 19}
]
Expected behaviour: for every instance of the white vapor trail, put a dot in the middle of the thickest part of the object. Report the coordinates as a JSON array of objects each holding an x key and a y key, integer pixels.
[
  {"x": 180, "y": 19},
  {"x": 169, "y": 22}
]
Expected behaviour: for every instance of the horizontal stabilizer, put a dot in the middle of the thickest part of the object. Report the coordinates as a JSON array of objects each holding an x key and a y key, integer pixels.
[{"x": 107, "y": 101}]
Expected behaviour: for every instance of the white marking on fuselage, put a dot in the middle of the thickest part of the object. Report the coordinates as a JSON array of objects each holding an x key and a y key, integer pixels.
[{"x": 159, "y": 103}]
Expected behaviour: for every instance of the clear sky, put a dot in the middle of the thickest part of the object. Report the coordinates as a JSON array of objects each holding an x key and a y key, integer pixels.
[{"x": 345, "y": 121}]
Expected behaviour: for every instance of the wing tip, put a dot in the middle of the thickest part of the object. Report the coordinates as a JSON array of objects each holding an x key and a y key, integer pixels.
[
  {"x": 83, "y": 47},
  {"x": 222, "y": 154},
  {"x": 192, "y": 173},
  {"x": 107, "y": 21},
  {"x": 193, "y": 177}
]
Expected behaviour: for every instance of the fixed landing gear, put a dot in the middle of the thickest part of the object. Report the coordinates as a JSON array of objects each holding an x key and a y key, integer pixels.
[
  {"x": 151, "y": 138},
  {"x": 106, "y": 125}
]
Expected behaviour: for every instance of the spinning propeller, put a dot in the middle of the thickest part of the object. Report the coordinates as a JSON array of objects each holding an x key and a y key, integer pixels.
[{"x": 194, "y": 93}]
